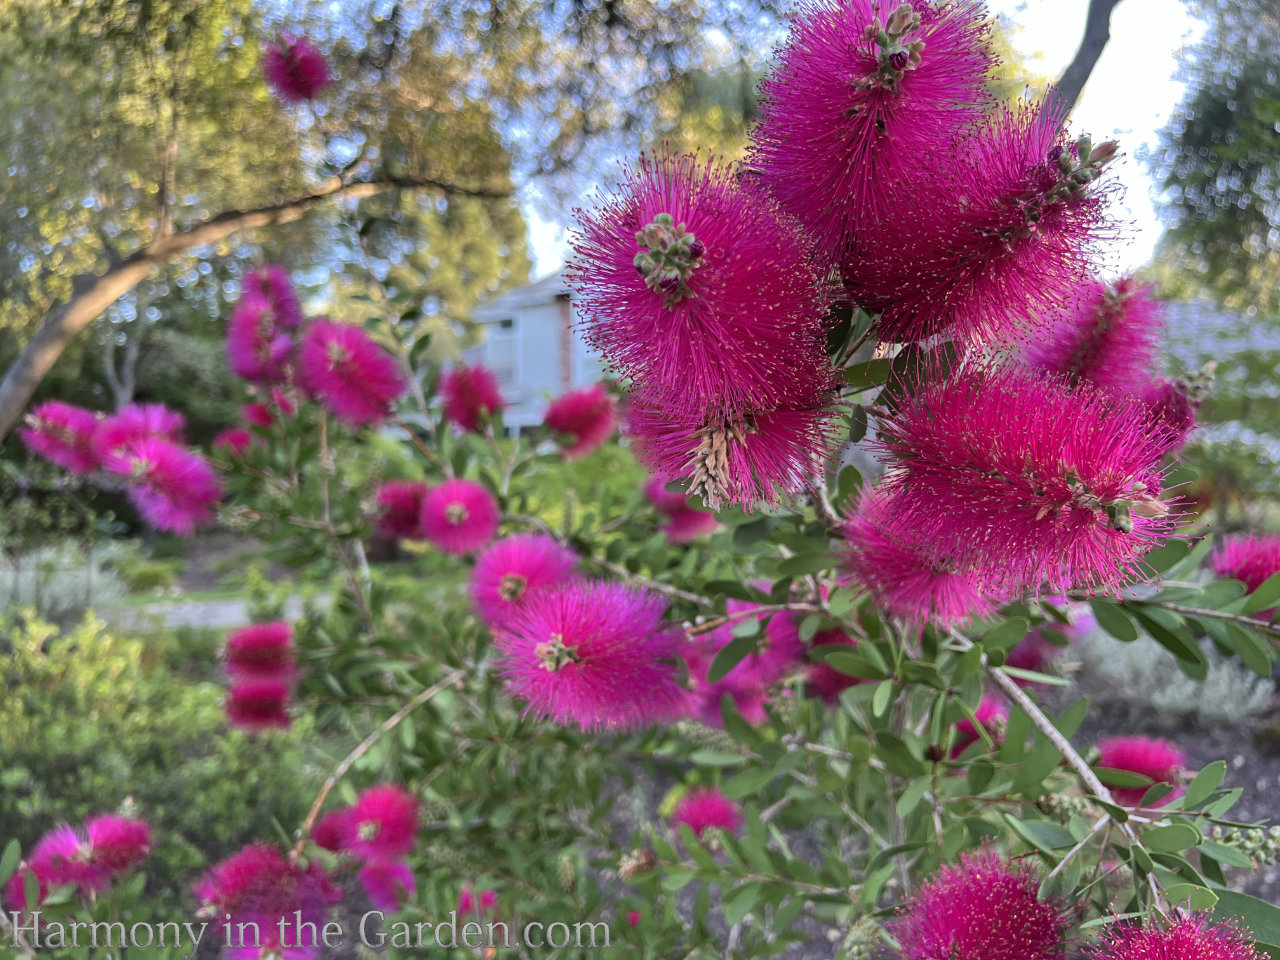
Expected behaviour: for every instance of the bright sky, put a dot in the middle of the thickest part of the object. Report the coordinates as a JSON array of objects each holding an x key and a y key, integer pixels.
[{"x": 1129, "y": 97}]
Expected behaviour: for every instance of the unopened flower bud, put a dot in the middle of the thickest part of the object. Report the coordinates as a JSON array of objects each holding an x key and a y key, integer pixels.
[
  {"x": 696, "y": 249},
  {"x": 1103, "y": 152},
  {"x": 901, "y": 20},
  {"x": 899, "y": 60}
]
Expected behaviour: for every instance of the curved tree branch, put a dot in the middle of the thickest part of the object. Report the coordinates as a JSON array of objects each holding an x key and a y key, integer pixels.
[
  {"x": 91, "y": 294},
  {"x": 1097, "y": 31}
]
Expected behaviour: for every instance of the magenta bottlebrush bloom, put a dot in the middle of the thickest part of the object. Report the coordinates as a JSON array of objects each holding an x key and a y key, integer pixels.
[
  {"x": 1159, "y": 760},
  {"x": 469, "y": 903},
  {"x": 822, "y": 680},
  {"x": 272, "y": 284},
  {"x": 588, "y": 653},
  {"x": 295, "y": 70},
  {"x": 385, "y": 820},
  {"x": 1169, "y": 410},
  {"x": 118, "y": 433},
  {"x": 60, "y": 857},
  {"x": 845, "y": 122},
  {"x": 400, "y": 508},
  {"x": 1036, "y": 651},
  {"x": 588, "y": 415},
  {"x": 62, "y": 434},
  {"x": 258, "y": 345},
  {"x": 992, "y": 715},
  {"x": 262, "y": 651},
  {"x": 117, "y": 844},
  {"x": 388, "y": 883},
  {"x": 687, "y": 525},
  {"x": 1251, "y": 559},
  {"x": 705, "y": 697},
  {"x": 467, "y": 394},
  {"x": 172, "y": 488},
  {"x": 261, "y": 886},
  {"x": 1180, "y": 938},
  {"x": 996, "y": 237},
  {"x": 335, "y": 831},
  {"x": 233, "y": 442},
  {"x": 694, "y": 283},
  {"x": 1012, "y": 475},
  {"x": 459, "y": 516},
  {"x": 667, "y": 501},
  {"x": 983, "y": 908},
  {"x": 256, "y": 704},
  {"x": 778, "y": 647},
  {"x": 266, "y": 414},
  {"x": 511, "y": 570},
  {"x": 350, "y": 374},
  {"x": 767, "y": 456},
  {"x": 895, "y": 564},
  {"x": 706, "y": 808},
  {"x": 1107, "y": 338}
]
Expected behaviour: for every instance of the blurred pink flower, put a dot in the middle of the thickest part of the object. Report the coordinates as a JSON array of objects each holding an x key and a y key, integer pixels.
[
  {"x": 400, "y": 508},
  {"x": 459, "y": 516},
  {"x": 271, "y": 283},
  {"x": 63, "y": 434},
  {"x": 118, "y": 433},
  {"x": 295, "y": 69},
  {"x": 468, "y": 394},
  {"x": 705, "y": 808},
  {"x": 262, "y": 651},
  {"x": 258, "y": 345},
  {"x": 255, "y": 705},
  {"x": 116, "y": 844},
  {"x": 512, "y": 569},
  {"x": 1159, "y": 760},
  {"x": 173, "y": 488},
  {"x": 388, "y": 883},
  {"x": 588, "y": 415},
  {"x": 385, "y": 823},
  {"x": 1179, "y": 938},
  {"x": 992, "y": 715},
  {"x": 350, "y": 374}
]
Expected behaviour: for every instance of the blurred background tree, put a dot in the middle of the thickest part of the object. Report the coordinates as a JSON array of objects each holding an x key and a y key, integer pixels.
[{"x": 1219, "y": 171}]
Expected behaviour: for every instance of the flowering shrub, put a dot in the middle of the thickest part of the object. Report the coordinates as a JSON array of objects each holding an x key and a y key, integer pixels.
[{"x": 830, "y": 667}]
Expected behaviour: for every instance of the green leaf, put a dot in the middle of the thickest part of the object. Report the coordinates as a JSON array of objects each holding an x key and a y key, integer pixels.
[
  {"x": 1171, "y": 839},
  {"x": 848, "y": 483},
  {"x": 748, "y": 782},
  {"x": 1164, "y": 558},
  {"x": 9, "y": 860},
  {"x": 869, "y": 374},
  {"x": 676, "y": 878},
  {"x": 1191, "y": 895},
  {"x": 880, "y": 701},
  {"x": 1007, "y": 635},
  {"x": 912, "y": 796},
  {"x": 1205, "y": 782},
  {"x": 811, "y": 563},
  {"x": 1224, "y": 854},
  {"x": 1252, "y": 650},
  {"x": 840, "y": 657},
  {"x": 1113, "y": 619},
  {"x": 730, "y": 655},
  {"x": 739, "y": 903},
  {"x": 1035, "y": 677},
  {"x": 1258, "y": 915},
  {"x": 716, "y": 758},
  {"x": 1267, "y": 595},
  {"x": 857, "y": 424},
  {"x": 897, "y": 756},
  {"x": 1170, "y": 634},
  {"x": 1041, "y": 834},
  {"x": 1114, "y": 777}
]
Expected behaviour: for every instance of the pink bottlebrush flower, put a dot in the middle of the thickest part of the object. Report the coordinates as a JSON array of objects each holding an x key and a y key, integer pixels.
[
  {"x": 633, "y": 918},
  {"x": 1170, "y": 411},
  {"x": 1036, "y": 651},
  {"x": 117, "y": 844},
  {"x": 468, "y": 394},
  {"x": 385, "y": 820},
  {"x": 255, "y": 705},
  {"x": 511, "y": 570},
  {"x": 685, "y": 526},
  {"x": 172, "y": 488},
  {"x": 992, "y": 715},
  {"x": 588, "y": 415},
  {"x": 904, "y": 576},
  {"x": 667, "y": 501},
  {"x": 778, "y": 648},
  {"x": 1107, "y": 337},
  {"x": 1179, "y": 938},
  {"x": 350, "y": 374},
  {"x": 266, "y": 414},
  {"x": 271, "y": 283},
  {"x": 705, "y": 808},
  {"x": 62, "y": 434},
  {"x": 1159, "y": 760},
  {"x": 388, "y": 883},
  {"x": 262, "y": 651},
  {"x": 233, "y": 442},
  {"x": 59, "y": 857},
  {"x": 846, "y": 122},
  {"x": 1012, "y": 475},
  {"x": 118, "y": 433},
  {"x": 768, "y": 456},
  {"x": 695, "y": 284},
  {"x": 822, "y": 680},
  {"x": 983, "y": 908},
  {"x": 484, "y": 905},
  {"x": 1251, "y": 559},
  {"x": 705, "y": 697},
  {"x": 258, "y": 345},
  {"x": 336, "y": 831},
  {"x": 295, "y": 70},
  {"x": 996, "y": 237},
  {"x": 261, "y": 886},
  {"x": 459, "y": 516},
  {"x": 400, "y": 508},
  {"x": 589, "y": 653}
]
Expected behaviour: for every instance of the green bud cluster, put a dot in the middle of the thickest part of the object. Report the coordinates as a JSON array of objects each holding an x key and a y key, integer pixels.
[
  {"x": 1061, "y": 808},
  {"x": 862, "y": 940},
  {"x": 896, "y": 55},
  {"x": 566, "y": 873},
  {"x": 667, "y": 258},
  {"x": 1261, "y": 846},
  {"x": 1076, "y": 171},
  {"x": 708, "y": 738}
]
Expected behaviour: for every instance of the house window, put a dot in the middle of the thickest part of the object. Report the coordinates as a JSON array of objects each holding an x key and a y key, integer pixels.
[{"x": 504, "y": 351}]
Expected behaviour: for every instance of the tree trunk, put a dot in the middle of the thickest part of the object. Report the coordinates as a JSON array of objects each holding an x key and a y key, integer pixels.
[
  {"x": 93, "y": 294},
  {"x": 1097, "y": 31}
]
